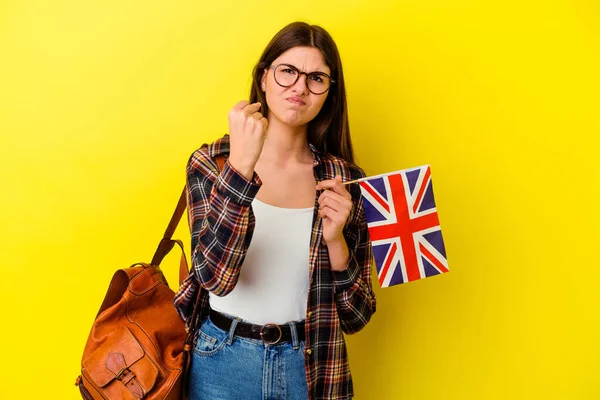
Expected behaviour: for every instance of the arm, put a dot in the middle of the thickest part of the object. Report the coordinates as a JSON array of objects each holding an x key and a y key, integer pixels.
[
  {"x": 353, "y": 291},
  {"x": 221, "y": 221}
]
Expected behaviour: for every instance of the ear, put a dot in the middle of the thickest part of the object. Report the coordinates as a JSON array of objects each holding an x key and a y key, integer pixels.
[{"x": 263, "y": 80}]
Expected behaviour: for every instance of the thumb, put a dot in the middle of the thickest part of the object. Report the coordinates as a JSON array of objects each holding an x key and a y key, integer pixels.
[{"x": 240, "y": 105}]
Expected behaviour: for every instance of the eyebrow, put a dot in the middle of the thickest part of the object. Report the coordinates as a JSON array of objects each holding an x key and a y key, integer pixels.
[{"x": 323, "y": 72}]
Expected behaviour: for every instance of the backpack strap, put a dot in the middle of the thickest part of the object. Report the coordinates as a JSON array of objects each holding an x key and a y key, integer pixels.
[{"x": 167, "y": 243}]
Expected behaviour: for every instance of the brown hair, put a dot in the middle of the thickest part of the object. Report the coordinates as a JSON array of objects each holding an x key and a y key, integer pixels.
[{"x": 328, "y": 131}]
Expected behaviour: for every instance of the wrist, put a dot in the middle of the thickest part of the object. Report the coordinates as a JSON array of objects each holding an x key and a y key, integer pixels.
[
  {"x": 339, "y": 254},
  {"x": 244, "y": 168},
  {"x": 337, "y": 242}
]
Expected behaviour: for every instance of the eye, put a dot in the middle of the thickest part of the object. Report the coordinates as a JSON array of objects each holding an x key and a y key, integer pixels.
[
  {"x": 288, "y": 71},
  {"x": 317, "y": 78}
]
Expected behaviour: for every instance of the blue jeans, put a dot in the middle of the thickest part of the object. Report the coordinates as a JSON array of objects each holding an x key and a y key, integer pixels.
[{"x": 229, "y": 367}]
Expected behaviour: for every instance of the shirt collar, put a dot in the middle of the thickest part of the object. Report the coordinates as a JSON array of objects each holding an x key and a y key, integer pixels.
[{"x": 315, "y": 154}]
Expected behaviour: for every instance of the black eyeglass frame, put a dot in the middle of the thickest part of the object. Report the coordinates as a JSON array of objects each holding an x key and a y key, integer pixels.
[{"x": 308, "y": 74}]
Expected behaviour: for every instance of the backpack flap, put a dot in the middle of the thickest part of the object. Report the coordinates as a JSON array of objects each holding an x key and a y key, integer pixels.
[{"x": 120, "y": 368}]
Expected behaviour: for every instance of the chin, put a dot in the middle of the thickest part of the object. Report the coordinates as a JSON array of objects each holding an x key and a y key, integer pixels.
[
  {"x": 294, "y": 123},
  {"x": 291, "y": 118}
]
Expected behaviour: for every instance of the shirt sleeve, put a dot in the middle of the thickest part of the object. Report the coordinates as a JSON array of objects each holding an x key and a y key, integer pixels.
[
  {"x": 354, "y": 296},
  {"x": 221, "y": 220}
]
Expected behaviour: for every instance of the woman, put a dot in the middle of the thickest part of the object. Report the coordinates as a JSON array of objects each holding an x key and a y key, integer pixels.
[{"x": 281, "y": 253}]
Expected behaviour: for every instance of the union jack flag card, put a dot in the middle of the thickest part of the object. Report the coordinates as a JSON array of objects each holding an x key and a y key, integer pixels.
[{"x": 404, "y": 226}]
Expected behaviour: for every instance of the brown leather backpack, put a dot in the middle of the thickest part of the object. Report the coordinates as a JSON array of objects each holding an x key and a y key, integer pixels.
[{"x": 138, "y": 347}]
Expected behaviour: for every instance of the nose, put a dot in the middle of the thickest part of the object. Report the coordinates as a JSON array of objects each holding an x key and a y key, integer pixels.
[{"x": 301, "y": 85}]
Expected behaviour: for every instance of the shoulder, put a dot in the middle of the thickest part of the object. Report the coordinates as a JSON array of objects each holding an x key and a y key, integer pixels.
[
  {"x": 334, "y": 165},
  {"x": 203, "y": 159}
]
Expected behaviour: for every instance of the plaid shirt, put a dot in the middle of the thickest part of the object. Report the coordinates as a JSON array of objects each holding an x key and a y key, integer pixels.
[{"x": 221, "y": 221}]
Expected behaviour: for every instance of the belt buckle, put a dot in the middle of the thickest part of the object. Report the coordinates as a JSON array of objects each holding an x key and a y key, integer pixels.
[{"x": 262, "y": 333}]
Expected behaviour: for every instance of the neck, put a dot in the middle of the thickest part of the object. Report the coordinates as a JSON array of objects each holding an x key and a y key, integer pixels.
[{"x": 285, "y": 144}]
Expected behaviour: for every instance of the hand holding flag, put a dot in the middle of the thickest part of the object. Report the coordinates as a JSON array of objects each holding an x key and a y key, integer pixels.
[{"x": 334, "y": 208}]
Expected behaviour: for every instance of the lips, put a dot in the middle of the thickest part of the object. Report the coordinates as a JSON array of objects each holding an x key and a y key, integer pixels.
[{"x": 296, "y": 100}]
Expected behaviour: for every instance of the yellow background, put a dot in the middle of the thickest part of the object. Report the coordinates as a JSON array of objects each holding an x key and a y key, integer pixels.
[{"x": 101, "y": 103}]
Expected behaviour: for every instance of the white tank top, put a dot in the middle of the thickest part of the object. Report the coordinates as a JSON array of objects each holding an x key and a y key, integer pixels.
[{"x": 273, "y": 282}]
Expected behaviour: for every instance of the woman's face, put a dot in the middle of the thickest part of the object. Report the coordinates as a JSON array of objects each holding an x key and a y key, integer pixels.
[{"x": 295, "y": 105}]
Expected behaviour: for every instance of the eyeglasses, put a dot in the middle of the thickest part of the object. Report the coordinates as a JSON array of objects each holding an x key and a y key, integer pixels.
[{"x": 287, "y": 75}]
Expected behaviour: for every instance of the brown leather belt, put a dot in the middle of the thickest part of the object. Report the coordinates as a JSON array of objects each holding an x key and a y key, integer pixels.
[{"x": 269, "y": 333}]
